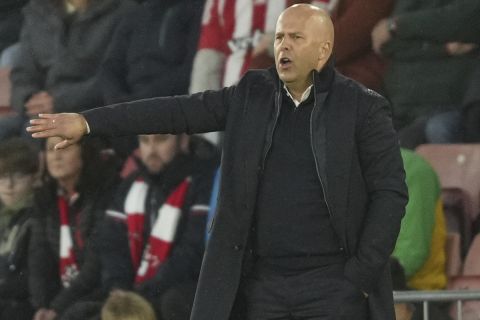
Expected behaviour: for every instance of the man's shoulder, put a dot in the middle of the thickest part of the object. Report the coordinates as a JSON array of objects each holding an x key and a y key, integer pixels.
[
  {"x": 352, "y": 89},
  {"x": 258, "y": 77}
]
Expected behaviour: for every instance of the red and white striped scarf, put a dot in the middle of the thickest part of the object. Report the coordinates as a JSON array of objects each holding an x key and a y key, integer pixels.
[
  {"x": 147, "y": 261},
  {"x": 68, "y": 267}
]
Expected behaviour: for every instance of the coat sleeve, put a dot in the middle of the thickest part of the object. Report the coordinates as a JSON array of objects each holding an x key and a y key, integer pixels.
[
  {"x": 354, "y": 26},
  {"x": 414, "y": 50},
  {"x": 198, "y": 113},
  {"x": 27, "y": 77},
  {"x": 78, "y": 96},
  {"x": 384, "y": 176},
  {"x": 113, "y": 71},
  {"x": 456, "y": 21}
]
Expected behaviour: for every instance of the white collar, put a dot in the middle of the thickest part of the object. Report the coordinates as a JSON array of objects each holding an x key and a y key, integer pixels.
[{"x": 305, "y": 95}]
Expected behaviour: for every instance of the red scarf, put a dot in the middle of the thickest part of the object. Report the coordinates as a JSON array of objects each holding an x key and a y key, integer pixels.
[
  {"x": 68, "y": 262},
  {"x": 147, "y": 261}
]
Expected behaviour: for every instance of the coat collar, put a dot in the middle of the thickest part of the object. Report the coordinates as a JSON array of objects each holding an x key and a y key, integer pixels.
[{"x": 322, "y": 80}]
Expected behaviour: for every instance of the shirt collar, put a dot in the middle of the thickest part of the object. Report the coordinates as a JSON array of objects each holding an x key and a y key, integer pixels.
[{"x": 305, "y": 95}]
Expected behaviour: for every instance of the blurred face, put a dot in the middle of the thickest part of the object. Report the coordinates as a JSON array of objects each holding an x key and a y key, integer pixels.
[
  {"x": 14, "y": 187},
  {"x": 157, "y": 151},
  {"x": 63, "y": 164}
]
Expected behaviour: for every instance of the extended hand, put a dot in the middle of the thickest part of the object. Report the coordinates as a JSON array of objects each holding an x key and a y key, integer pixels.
[{"x": 71, "y": 127}]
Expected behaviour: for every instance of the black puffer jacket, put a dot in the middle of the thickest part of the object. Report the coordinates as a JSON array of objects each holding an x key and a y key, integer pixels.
[
  {"x": 152, "y": 51},
  {"x": 63, "y": 57}
]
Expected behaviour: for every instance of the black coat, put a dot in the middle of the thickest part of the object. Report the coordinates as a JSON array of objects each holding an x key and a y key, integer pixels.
[
  {"x": 152, "y": 51},
  {"x": 358, "y": 161},
  {"x": 86, "y": 213}
]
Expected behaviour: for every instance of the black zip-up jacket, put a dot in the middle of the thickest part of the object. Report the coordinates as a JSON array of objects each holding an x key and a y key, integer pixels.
[{"x": 358, "y": 161}]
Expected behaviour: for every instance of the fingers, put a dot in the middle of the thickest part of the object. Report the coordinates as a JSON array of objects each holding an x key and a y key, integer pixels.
[
  {"x": 39, "y": 125},
  {"x": 64, "y": 144},
  {"x": 49, "y": 115}
]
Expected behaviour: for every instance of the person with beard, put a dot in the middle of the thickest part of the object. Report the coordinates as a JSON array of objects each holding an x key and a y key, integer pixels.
[{"x": 153, "y": 234}]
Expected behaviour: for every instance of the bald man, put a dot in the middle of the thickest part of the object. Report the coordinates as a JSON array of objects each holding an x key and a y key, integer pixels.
[{"x": 312, "y": 191}]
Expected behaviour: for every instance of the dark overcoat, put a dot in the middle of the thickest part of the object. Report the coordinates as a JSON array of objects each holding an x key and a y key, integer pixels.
[{"x": 358, "y": 161}]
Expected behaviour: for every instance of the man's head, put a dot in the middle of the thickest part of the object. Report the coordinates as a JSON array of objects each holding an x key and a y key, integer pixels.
[
  {"x": 18, "y": 167},
  {"x": 303, "y": 42},
  {"x": 158, "y": 150}
]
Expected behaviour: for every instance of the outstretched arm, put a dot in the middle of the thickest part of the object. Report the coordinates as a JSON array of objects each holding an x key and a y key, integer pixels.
[{"x": 202, "y": 112}]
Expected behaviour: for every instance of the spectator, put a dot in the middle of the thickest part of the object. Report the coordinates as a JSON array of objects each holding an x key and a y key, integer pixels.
[
  {"x": 420, "y": 247},
  {"x": 18, "y": 168},
  {"x": 63, "y": 264},
  {"x": 430, "y": 60},
  {"x": 124, "y": 305},
  {"x": 153, "y": 237},
  {"x": 10, "y": 22},
  {"x": 151, "y": 55},
  {"x": 353, "y": 21},
  {"x": 236, "y": 35},
  {"x": 61, "y": 47}
]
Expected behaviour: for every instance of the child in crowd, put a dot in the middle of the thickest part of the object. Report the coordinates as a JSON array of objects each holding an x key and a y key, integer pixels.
[{"x": 18, "y": 168}]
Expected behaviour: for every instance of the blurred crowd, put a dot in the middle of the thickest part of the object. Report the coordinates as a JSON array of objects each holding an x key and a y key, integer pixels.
[{"x": 116, "y": 228}]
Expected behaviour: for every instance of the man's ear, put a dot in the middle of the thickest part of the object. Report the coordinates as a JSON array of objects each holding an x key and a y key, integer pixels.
[{"x": 324, "y": 51}]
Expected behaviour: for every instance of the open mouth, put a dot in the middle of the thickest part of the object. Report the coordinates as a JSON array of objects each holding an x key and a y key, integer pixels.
[{"x": 285, "y": 62}]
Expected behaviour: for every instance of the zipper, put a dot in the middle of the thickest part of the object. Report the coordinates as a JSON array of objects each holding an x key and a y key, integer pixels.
[
  {"x": 273, "y": 129},
  {"x": 313, "y": 149}
]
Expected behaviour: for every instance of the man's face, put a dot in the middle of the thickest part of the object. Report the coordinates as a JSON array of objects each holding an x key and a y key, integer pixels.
[
  {"x": 157, "y": 151},
  {"x": 296, "y": 48}
]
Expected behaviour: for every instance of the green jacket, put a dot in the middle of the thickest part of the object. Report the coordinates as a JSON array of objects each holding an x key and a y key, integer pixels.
[{"x": 413, "y": 244}]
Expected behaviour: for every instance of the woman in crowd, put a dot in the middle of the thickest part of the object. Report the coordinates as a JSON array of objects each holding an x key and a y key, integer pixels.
[{"x": 64, "y": 267}]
